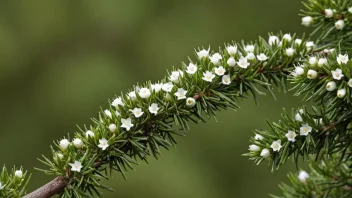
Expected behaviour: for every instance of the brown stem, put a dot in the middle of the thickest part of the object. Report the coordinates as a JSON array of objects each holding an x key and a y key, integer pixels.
[{"x": 52, "y": 188}]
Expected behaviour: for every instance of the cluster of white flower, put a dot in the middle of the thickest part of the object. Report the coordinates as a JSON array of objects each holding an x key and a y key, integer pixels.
[{"x": 329, "y": 14}]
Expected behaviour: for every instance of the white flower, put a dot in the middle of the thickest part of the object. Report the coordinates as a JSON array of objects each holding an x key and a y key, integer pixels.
[
  {"x": 192, "y": 68},
  {"x": 1, "y": 186},
  {"x": 103, "y": 144},
  {"x": 137, "y": 112},
  {"x": 298, "y": 41},
  {"x": 117, "y": 102},
  {"x": 330, "y": 86},
  {"x": 329, "y": 13},
  {"x": 307, "y": 21},
  {"x": 64, "y": 143},
  {"x": 341, "y": 93},
  {"x": 154, "y": 108},
  {"x": 258, "y": 137},
  {"x": 77, "y": 166},
  {"x": 249, "y": 48},
  {"x": 262, "y": 57},
  {"x": 174, "y": 76},
  {"x": 180, "y": 94},
  {"x": 203, "y": 53},
  {"x": 168, "y": 87},
  {"x": 231, "y": 62},
  {"x": 350, "y": 83},
  {"x": 117, "y": 114},
  {"x": 337, "y": 74},
  {"x": 298, "y": 71},
  {"x": 132, "y": 95},
  {"x": 287, "y": 37},
  {"x": 350, "y": 9},
  {"x": 250, "y": 56},
  {"x": 322, "y": 62},
  {"x": 190, "y": 102},
  {"x": 226, "y": 80},
  {"x": 313, "y": 61},
  {"x": 265, "y": 153},
  {"x": 303, "y": 176},
  {"x": 112, "y": 127},
  {"x": 215, "y": 59},
  {"x": 156, "y": 87},
  {"x": 232, "y": 50},
  {"x": 144, "y": 92},
  {"x": 291, "y": 135},
  {"x": 298, "y": 117},
  {"x": 290, "y": 51},
  {"x": 273, "y": 40},
  {"x": 254, "y": 147},
  {"x": 243, "y": 62},
  {"x": 340, "y": 24},
  {"x": 208, "y": 76},
  {"x": 342, "y": 58},
  {"x": 78, "y": 143},
  {"x": 126, "y": 123},
  {"x": 108, "y": 113},
  {"x": 18, "y": 173},
  {"x": 305, "y": 129},
  {"x": 220, "y": 70},
  {"x": 276, "y": 145},
  {"x": 59, "y": 155},
  {"x": 310, "y": 45},
  {"x": 312, "y": 74},
  {"x": 89, "y": 133}
]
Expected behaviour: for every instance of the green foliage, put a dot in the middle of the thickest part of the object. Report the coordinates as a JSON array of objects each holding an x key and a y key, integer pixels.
[{"x": 13, "y": 183}]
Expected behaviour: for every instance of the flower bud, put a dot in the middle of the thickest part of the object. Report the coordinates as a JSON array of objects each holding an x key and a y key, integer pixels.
[
  {"x": 331, "y": 86},
  {"x": 340, "y": 24},
  {"x": 341, "y": 93},
  {"x": 89, "y": 134},
  {"x": 307, "y": 21},
  {"x": 78, "y": 143},
  {"x": 231, "y": 62},
  {"x": 190, "y": 102},
  {"x": 265, "y": 153},
  {"x": 312, "y": 74},
  {"x": 64, "y": 144},
  {"x": 112, "y": 127},
  {"x": 303, "y": 176},
  {"x": 329, "y": 13},
  {"x": 19, "y": 174},
  {"x": 290, "y": 52},
  {"x": 254, "y": 147}
]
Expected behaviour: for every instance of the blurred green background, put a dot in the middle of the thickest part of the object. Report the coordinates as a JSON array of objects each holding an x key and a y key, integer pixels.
[{"x": 60, "y": 61}]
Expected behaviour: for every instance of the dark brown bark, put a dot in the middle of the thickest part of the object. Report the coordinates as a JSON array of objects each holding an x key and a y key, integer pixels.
[{"x": 52, "y": 188}]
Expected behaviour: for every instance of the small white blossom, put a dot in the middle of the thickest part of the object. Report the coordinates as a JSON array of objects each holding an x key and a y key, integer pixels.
[
  {"x": 340, "y": 24},
  {"x": 89, "y": 133},
  {"x": 322, "y": 62},
  {"x": 342, "y": 58},
  {"x": 250, "y": 56},
  {"x": 64, "y": 143},
  {"x": 291, "y": 135},
  {"x": 258, "y": 137},
  {"x": 298, "y": 71},
  {"x": 305, "y": 129},
  {"x": 168, "y": 87},
  {"x": 307, "y": 21},
  {"x": 273, "y": 40},
  {"x": 341, "y": 93},
  {"x": 18, "y": 173},
  {"x": 303, "y": 176},
  {"x": 126, "y": 123},
  {"x": 350, "y": 82},
  {"x": 60, "y": 156},
  {"x": 78, "y": 143},
  {"x": 312, "y": 74},
  {"x": 112, "y": 127},
  {"x": 276, "y": 145},
  {"x": 203, "y": 53},
  {"x": 215, "y": 58},
  {"x": 350, "y": 9},
  {"x": 117, "y": 114},
  {"x": 243, "y": 63},
  {"x": 117, "y": 102},
  {"x": 226, "y": 80},
  {"x": 254, "y": 147},
  {"x": 298, "y": 41},
  {"x": 174, "y": 76},
  {"x": 180, "y": 94},
  {"x": 76, "y": 166},
  {"x": 287, "y": 37},
  {"x": 220, "y": 70},
  {"x": 262, "y": 57},
  {"x": 137, "y": 112},
  {"x": 330, "y": 86},
  {"x": 192, "y": 68},
  {"x": 298, "y": 117},
  {"x": 310, "y": 45},
  {"x": 190, "y": 102},
  {"x": 103, "y": 144},
  {"x": 231, "y": 62},
  {"x": 108, "y": 113},
  {"x": 154, "y": 108},
  {"x": 249, "y": 48},
  {"x": 313, "y": 61},
  {"x": 329, "y": 13},
  {"x": 337, "y": 74},
  {"x": 232, "y": 50},
  {"x": 265, "y": 153},
  {"x": 290, "y": 51},
  {"x": 208, "y": 76},
  {"x": 132, "y": 95},
  {"x": 144, "y": 92},
  {"x": 156, "y": 87}
]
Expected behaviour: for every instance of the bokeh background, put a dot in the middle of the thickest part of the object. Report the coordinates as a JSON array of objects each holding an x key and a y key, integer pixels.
[{"x": 60, "y": 61}]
